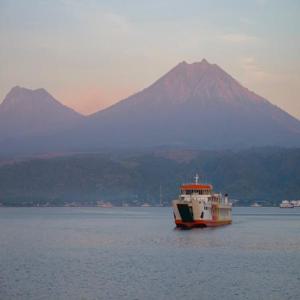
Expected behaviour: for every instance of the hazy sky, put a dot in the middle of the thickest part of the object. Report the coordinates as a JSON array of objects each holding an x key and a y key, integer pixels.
[{"x": 90, "y": 54}]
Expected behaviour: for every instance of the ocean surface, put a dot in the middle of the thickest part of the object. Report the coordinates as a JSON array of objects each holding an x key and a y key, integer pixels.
[{"x": 135, "y": 253}]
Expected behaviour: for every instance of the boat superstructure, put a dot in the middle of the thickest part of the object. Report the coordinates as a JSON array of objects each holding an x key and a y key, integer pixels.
[
  {"x": 198, "y": 206},
  {"x": 296, "y": 203},
  {"x": 286, "y": 204}
]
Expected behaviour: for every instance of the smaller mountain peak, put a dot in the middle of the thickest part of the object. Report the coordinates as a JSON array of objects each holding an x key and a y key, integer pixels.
[
  {"x": 17, "y": 87},
  {"x": 19, "y": 92},
  {"x": 41, "y": 91},
  {"x": 14, "y": 92},
  {"x": 182, "y": 64},
  {"x": 180, "y": 67},
  {"x": 19, "y": 96},
  {"x": 204, "y": 61}
]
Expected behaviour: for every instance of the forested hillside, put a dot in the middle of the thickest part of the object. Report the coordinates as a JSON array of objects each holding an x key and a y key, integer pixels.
[{"x": 266, "y": 175}]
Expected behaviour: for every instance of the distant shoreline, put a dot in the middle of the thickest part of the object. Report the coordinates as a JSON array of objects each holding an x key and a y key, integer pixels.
[{"x": 114, "y": 206}]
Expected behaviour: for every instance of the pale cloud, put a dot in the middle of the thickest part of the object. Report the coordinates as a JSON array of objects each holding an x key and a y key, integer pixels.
[
  {"x": 256, "y": 73},
  {"x": 278, "y": 86},
  {"x": 238, "y": 38},
  {"x": 253, "y": 71},
  {"x": 93, "y": 19}
]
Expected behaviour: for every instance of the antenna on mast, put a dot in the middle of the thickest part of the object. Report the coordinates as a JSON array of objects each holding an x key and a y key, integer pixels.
[{"x": 160, "y": 196}]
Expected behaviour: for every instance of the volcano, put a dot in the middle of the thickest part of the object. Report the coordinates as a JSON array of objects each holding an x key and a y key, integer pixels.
[{"x": 195, "y": 105}]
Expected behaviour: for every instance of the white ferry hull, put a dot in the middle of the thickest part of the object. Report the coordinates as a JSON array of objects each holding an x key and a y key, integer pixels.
[
  {"x": 286, "y": 206},
  {"x": 198, "y": 206},
  {"x": 200, "y": 211}
]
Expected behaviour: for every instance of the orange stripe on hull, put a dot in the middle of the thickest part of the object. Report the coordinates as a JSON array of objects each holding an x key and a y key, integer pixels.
[{"x": 201, "y": 223}]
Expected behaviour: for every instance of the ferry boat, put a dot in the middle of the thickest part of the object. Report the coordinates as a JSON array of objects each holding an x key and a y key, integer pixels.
[
  {"x": 296, "y": 203},
  {"x": 286, "y": 204},
  {"x": 199, "y": 206}
]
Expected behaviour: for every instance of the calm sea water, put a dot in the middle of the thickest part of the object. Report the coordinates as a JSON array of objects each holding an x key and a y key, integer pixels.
[{"x": 135, "y": 253}]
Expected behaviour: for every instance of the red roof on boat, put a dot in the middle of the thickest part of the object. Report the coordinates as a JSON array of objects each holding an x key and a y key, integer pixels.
[{"x": 196, "y": 186}]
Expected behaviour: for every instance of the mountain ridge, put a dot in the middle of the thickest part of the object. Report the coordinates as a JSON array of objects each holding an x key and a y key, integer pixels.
[
  {"x": 184, "y": 65},
  {"x": 192, "y": 105},
  {"x": 199, "y": 91}
]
